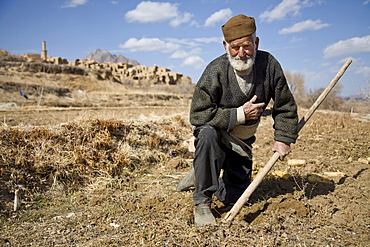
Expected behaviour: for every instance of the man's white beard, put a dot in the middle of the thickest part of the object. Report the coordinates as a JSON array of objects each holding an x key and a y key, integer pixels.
[{"x": 241, "y": 64}]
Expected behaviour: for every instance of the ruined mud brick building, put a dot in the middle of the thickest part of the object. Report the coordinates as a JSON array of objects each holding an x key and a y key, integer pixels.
[
  {"x": 140, "y": 73},
  {"x": 120, "y": 72}
]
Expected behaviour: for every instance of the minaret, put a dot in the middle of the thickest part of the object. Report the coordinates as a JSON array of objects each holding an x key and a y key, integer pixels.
[{"x": 43, "y": 51}]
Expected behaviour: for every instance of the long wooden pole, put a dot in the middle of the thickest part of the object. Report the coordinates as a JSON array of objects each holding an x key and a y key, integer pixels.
[{"x": 263, "y": 172}]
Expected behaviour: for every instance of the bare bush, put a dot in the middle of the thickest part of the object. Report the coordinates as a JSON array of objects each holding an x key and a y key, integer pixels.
[
  {"x": 297, "y": 87},
  {"x": 296, "y": 84},
  {"x": 332, "y": 102},
  {"x": 365, "y": 92},
  {"x": 305, "y": 99}
]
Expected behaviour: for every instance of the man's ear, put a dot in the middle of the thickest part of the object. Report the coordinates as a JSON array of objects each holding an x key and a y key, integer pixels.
[
  {"x": 257, "y": 42},
  {"x": 224, "y": 43}
]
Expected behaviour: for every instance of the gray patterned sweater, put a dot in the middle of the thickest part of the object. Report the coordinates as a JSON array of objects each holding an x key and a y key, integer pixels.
[{"x": 217, "y": 96}]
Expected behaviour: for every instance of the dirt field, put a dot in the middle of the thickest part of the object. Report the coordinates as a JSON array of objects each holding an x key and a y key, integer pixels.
[
  {"x": 94, "y": 200},
  {"x": 96, "y": 164}
]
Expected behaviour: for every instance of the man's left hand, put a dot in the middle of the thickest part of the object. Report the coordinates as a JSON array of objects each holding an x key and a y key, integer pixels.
[{"x": 282, "y": 148}]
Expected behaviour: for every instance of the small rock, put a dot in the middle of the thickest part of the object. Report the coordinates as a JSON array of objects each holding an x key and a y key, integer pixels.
[
  {"x": 8, "y": 105},
  {"x": 281, "y": 174},
  {"x": 363, "y": 160},
  {"x": 296, "y": 162},
  {"x": 114, "y": 225},
  {"x": 333, "y": 174},
  {"x": 317, "y": 179}
]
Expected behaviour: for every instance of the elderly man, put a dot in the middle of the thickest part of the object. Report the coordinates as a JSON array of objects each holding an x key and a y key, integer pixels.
[{"x": 227, "y": 104}]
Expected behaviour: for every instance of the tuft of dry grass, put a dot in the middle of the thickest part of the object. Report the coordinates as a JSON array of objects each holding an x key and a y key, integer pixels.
[{"x": 71, "y": 154}]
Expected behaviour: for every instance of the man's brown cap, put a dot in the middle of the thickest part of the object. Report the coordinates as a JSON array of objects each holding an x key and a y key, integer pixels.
[{"x": 238, "y": 26}]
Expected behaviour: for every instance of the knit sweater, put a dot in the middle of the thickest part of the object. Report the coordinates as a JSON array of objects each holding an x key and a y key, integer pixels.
[{"x": 217, "y": 96}]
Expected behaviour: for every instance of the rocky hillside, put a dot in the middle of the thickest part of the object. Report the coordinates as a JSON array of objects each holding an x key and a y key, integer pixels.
[{"x": 104, "y": 56}]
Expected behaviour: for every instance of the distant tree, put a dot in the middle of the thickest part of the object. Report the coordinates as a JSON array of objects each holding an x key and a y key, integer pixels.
[
  {"x": 332, "y": 102},
  {"x": 365, "y": 92},
  {"x": 296, "y": 85}
]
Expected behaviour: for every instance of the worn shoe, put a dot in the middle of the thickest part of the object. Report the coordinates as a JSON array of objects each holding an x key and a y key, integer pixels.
[
  {"x": 187, "y": 182},
  {"x": 203, "y": 215}
]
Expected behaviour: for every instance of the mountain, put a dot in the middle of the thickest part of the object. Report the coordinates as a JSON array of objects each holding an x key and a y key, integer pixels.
[
  {"x": 102, "y": 56},
  {"x": 358, "y": 98}
]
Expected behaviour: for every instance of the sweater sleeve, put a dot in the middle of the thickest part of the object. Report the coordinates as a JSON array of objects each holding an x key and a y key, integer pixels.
[
  {"x": 205, "y": 107},
  {"x": 284, "y": 111}
]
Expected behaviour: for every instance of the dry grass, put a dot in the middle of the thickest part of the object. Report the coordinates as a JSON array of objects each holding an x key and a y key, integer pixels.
[{"x": 75, "y": 152}]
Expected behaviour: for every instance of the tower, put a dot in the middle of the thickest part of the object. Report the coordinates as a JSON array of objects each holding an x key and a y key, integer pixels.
[{"x": 43, "y": 51}]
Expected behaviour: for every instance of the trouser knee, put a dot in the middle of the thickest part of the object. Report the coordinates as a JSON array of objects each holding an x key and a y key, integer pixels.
[{"x": 206, "y": 134}]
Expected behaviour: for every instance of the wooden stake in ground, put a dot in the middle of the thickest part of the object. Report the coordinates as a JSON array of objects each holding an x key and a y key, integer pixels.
[
  {"x": 251, "y": 188},
  {"x": 16, "y": 199}
]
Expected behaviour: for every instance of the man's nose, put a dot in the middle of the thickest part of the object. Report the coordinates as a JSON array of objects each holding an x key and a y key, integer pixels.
[{"x": 241, "y": 52}]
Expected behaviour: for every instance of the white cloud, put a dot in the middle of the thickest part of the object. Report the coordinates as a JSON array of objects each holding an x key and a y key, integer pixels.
[
  {"x": 187, "y": 42},
  {"x": 152, "y": 12},
  {"x": 304, "y": 25},
  {"x": 365, "y": 71},
  {"x": 149, "y": 44},
  {"x": 281, "y": 10},
  {"x": 190, "y": 58},
  {"x": 195, "y": 41},
  {"x": 114, "y": 2},
  {"x": 181, "y": 18},
  {"x": 296, "y": 40},
  {"x": 74, "y": 3},
  {"x": 219, "y": 16},
  {"x": 326, "y": 64},
  {"x": 366, "y": 2},
  {"x": 348, "y": 47},
  {"x": 179, "y": 54},
  {"x": 187, "y": 50},
  {"x": 195, "y": 61},
  {"x": 184, "y": 54},
  {"x": 209, "y": 40},
  {"x": 148, "y": 11},
  {"x": 310, "y": 75},
  {"x": 287, "y": 7},
  {"x": 342, "y": 61}
]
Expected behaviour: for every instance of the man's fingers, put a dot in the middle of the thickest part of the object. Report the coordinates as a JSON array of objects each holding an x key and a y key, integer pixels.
[
  {"x": 282, "y": 148},
  {"x": 282, "y": 156},
  {"x": 253, "y": 99},
  {"x": 253, "y": 111}
]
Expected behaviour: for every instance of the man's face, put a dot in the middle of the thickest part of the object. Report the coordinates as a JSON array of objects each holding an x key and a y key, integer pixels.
[{"x": 242, "y": 52}]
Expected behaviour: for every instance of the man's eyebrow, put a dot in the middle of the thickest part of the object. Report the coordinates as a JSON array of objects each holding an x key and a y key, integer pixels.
[{"x": 241, "y": 44}]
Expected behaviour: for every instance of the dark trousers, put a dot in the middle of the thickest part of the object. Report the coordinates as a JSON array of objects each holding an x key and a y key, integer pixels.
[{"x": 211, "y": 155}]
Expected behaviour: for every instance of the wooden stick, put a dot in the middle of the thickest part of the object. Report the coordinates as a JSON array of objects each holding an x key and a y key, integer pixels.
[
  {"x": 16, "y": 199},
  {"x": 263, "y": 172}
]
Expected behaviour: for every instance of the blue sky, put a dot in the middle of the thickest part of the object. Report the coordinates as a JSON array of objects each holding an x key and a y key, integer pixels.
[{"x": 313, "y": 37}]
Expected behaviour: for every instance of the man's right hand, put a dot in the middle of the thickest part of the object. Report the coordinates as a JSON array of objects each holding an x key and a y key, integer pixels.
[{"x": 253, "y": 111}]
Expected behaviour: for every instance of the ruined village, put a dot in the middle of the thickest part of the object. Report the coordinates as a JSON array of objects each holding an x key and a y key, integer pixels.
[{"x": 118, "y": 72}]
